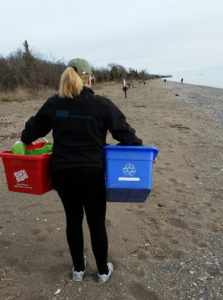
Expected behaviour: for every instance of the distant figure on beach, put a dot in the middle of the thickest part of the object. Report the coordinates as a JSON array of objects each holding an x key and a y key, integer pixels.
[
  {"x": 182, "y": 80},
  {"x": 164, "y": 80},
  {"x": 144, "y": 83},
  {"x": 130, "y": 84},
  {"x": 125, "y": 88}
]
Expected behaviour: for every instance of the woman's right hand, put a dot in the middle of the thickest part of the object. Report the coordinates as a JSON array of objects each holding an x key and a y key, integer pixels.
[{"x": 155, "y": 161}]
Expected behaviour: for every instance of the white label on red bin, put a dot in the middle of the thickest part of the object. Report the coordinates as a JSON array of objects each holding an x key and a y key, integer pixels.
[{"x": 21, "y": 175}]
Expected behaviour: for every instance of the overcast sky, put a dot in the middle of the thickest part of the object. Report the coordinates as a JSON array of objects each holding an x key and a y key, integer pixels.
[{"x": 160, "y": 36}]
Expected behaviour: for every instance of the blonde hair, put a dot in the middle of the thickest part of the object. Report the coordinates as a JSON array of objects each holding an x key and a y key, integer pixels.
[{"x": 71, "y": 84}]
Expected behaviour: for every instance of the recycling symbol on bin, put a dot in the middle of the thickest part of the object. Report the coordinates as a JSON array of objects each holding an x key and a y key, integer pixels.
[{"x": 129, "y": 170}]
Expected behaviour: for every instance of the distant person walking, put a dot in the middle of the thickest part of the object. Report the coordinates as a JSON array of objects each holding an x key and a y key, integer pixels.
[
  {"x": 182, "y": 80},
  {"x": 125, "y": 88},
  {"x": 80, "y": 121},
  {"x": 164, "y": 80}
]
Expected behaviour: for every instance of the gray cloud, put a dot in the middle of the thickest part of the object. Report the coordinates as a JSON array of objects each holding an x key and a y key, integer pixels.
[{"x": 160, "y": 36}]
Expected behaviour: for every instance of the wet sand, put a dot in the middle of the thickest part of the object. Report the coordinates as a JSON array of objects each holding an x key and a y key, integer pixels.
[{"x": 169, "y": 247}]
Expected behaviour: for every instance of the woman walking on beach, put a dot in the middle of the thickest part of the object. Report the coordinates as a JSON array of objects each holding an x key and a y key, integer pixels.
[{"x": 80, "y": 120}]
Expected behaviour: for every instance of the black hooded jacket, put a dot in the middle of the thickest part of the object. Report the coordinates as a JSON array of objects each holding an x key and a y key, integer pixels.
[{"x": 79, "y": 127}]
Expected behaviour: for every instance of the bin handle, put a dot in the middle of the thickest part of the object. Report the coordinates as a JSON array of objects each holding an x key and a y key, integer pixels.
[{"x": 45, "y": 139}]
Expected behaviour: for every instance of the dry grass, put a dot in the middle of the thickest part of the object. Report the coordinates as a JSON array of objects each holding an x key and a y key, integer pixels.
[
  {"x": 98, "y": 86},
  {"x": 108, "y": 83},
  {"x": 42, "y": 94},
  {"x": 18, "y": 95}
]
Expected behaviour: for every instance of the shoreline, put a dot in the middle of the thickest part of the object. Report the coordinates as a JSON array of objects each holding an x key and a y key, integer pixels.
[
  {"x": 208, "y": 98},
  {"x": 198, "y": 85}
]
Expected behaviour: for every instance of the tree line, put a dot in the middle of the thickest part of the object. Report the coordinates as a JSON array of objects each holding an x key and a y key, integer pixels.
[{"x": 28, "y": 70}]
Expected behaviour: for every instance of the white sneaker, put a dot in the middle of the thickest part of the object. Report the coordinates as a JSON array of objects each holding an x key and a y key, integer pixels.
[
  {"x": 78, "y": 276},
  {"x": 103, "y": 278}
]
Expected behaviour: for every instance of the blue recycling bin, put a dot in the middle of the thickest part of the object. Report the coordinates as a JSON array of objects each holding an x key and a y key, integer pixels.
[{"x": 129, "y": 171}]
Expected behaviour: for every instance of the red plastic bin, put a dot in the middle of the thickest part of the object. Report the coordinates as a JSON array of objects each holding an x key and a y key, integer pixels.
[{"x": 27, "y": 173}]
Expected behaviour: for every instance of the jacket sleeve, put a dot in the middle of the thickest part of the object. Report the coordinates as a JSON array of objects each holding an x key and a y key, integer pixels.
[
  {"x": 119, "y": 128},
  {"x": 37, "y": 126}
]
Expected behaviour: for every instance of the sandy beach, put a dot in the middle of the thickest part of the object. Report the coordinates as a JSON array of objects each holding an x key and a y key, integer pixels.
[{"x": 169, "y": 247}]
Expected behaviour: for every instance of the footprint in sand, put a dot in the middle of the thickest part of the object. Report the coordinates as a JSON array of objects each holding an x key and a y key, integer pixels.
[
  {"x": 209, "y": 189},
  {"x": 59, "y": 253},
  {"x": 125, "y": 240},
  {"x": 5, "y": 244},
  {"x": 202, "y": 245},
  {"x": 35, "y": 231},
  {"x": 11, "y": 261},
  {"x": 56, "y": 273},
  {"x": 140, "y": 212},
  {"x": 165, "y": 169},
  {"x": 215, "y": 227},
  {"x": 41, "y": 238},
  {"x": 6, "y": 212},
  {"x": 140, "y": 292},
  {"x": 40, "y": 235},
  {"x": 158, "y": 171},
  {"x": 178, "y": 254},
  {"x": 51, "y": 212},
  {"x": 177, "y": 182},
  {"x": 182, "y": 191},
  {"x": 178, "y": 223},
  {"x": 27, "y": 207}
]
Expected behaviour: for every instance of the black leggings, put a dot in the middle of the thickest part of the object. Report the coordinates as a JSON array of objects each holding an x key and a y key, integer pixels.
[{"x": 83, "y": 189}]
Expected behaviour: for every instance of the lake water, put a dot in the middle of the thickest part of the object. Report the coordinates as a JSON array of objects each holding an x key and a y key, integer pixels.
[{"x": 212, "y": 77}]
